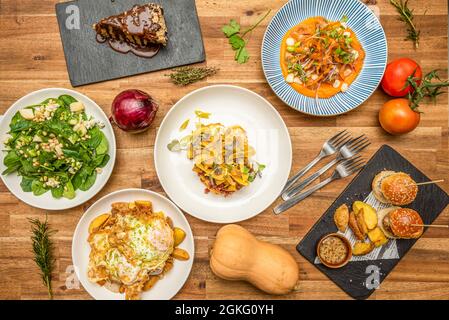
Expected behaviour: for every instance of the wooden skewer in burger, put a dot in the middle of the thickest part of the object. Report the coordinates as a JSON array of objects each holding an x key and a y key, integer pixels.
[
  {"x": 400, "y": 223},
  {"x": 396, "y": 188}
]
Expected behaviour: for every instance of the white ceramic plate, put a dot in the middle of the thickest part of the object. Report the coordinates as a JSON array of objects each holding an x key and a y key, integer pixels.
[
  {"x": 165, "y": 288},
  {"x": 267, "y": 133},
  {"x": 46, "y": 201}
]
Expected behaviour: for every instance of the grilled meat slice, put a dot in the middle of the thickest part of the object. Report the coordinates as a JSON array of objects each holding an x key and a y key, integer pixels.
[{"x": 143, "y": 25}]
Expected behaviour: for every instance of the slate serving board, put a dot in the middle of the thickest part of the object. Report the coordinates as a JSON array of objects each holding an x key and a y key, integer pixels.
[
  {"x": 354, "y": 278},
  {"x": 89, "y": 61}
]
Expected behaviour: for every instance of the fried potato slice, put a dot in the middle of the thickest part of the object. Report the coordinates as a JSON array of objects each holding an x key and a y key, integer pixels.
[
  {"x": 369, "y": 213},
  {"x": 98, "y": 222},
  {"x": 150, "y": 283},
  {"x": 179, "y": 236},
  {"x": 341, "y": 217},
  {"x": 354, "y": 226},
  {"x": 361, "y": 222},
  {"x": 362, "y": 248},
  {"x": 377, "y": 237},
  {"x": 180, "y": 254}
]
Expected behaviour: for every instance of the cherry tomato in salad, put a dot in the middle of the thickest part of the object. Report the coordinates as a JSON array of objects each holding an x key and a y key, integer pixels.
[
  {"x": 396, "y": 117},
  {"x": 394, "y": 82}
]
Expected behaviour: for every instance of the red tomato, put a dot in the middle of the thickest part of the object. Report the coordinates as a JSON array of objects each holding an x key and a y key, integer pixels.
[
  {"x": 396, "y": 74},
  {"x": 396, "y": 117}
]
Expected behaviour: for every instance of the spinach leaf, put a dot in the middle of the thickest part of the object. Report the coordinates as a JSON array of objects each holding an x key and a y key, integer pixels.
[
  {"x": 103, "y": 146},
  {"x": 38, "y": 188},
  {"x": 11, "y": 159},
  {"x": 26, "y": 184},
  {"x": 95, "y": 138},
  {"x": 69, "y": 193},
  {"x": 89, "y": 182},
  {"x": 67, "y": 99},
  {"x": 71, "y": 153},
  {"x": 21, "y": 125},
  {"x": 57, "y": 192}
]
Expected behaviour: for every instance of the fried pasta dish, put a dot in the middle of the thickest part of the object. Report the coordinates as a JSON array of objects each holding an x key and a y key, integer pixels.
[
  {"x": 132, "y": 247},
  {"x": 320, "y": 58},
  {"x": 221, "y": 156}
]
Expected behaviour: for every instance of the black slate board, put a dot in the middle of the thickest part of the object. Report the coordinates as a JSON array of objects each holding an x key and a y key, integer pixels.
[
  {"x": 430, "y": 201},
  {"x": 89, "y": 61}
]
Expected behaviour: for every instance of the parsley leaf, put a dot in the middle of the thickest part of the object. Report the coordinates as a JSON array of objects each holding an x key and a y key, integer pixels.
[
  {"x": 233, "y": 32},
  {"x": 236, "y": 42},
  {"x": 232, "y": 28},
  {"x": 242, "y": 55}
]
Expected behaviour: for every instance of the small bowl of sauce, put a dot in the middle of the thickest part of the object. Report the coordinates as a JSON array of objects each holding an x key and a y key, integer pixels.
[{"x": 334, "y": 250}]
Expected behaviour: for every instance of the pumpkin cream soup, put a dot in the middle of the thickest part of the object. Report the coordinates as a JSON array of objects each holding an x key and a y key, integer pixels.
[{"x": 320, "y": 58}]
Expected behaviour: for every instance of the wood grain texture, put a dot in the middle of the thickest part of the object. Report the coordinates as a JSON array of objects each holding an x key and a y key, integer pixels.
[{"x": 38, "y": 62}]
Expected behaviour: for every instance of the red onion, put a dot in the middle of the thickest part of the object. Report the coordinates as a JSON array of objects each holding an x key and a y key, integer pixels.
[{"x": 133, "y": 111}]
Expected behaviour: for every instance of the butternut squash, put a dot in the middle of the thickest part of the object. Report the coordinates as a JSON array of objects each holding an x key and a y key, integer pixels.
[{"x": 238, "y": 255}]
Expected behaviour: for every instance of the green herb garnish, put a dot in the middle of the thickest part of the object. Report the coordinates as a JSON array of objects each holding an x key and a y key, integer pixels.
[
  {"x": 43, "y": 250},
  {"x": 237, "y": 38},
  {"x": 188, "y": 75},
  {"x": 428, "y": 88},
  {"x": 406, "y": 15}
]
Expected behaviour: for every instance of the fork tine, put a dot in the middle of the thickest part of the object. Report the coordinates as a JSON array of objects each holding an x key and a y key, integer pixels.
[
  {"x": 355, "y": 140},
  {"x": 359, "y": 139},
  {"x": 358, "y": 168},
  {"x": 336, "y": 136},
  {"x": 361, "y": 147},
  {"x": 356, "y": 165},
  {"x": 341, "y": 141}
]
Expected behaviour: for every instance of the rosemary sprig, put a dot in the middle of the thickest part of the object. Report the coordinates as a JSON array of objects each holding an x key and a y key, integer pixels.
[
  {"x": 188, "y": 75},
  {"x": 406, "y": 15},
  {"x": 43, "y": 250},
  {"x": 431, "y": 87}
]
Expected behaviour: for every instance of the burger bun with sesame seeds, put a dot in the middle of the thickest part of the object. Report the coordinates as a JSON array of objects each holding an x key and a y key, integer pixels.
[
  {"x": 396, "y": 188},
  {"x": 398, "y": 223}
]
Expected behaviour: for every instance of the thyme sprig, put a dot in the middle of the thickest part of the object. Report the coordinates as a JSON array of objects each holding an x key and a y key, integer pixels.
[
  {"x": 187, "y": 75},
  {"x": 407, "y": 16},
  {"x": 431, "y": 87},
  {"x": 43, "y": 250}
]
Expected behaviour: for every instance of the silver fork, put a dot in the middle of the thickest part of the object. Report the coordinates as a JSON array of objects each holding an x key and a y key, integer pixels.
[
  {"x": 343, "y": 170},
  {"x": 347, "y": 151},
  {"x": 329, "y": 148}
]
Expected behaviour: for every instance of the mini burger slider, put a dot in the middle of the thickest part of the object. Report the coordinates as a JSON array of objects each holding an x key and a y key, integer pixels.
[
  {"x": 396, "y": 188},
  {"x": 399, "y": 223}
]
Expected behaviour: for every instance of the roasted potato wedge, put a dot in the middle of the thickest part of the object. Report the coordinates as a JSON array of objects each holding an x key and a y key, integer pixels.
[
  {"x": 150, "y": 283},
  {"x": 369, "y": 213},
  {"x": 180, "y": 254},
  {"x": 361, "y": 222},
  {"x": 354, "y": 226},
  {"x": 362, "y": 248},
  {"x": 98, "y": 222},
  {"x": 377, "y": 237},
  {"x": 179, "y": 236},
  {"x": 341, "y": 217}
]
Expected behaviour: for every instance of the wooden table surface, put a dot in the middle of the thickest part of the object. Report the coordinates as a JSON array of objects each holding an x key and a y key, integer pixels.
[{"x": 31, "y": 58}]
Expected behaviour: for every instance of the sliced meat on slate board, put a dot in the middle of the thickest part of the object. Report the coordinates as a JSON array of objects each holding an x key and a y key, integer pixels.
[
  {"x": 89, "y": 61},
  {"x": 354, "y": 277}
]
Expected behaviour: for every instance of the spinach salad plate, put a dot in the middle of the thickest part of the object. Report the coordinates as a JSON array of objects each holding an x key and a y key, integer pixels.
[{"x": 58, "y": 149}]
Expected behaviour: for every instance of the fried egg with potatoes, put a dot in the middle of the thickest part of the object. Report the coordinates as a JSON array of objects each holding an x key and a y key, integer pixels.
[{"x": 130, "y": 246}]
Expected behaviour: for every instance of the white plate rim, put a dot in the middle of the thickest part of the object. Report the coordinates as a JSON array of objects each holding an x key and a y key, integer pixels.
[
  {"x": 150, "y": 194},
  {"x": 173, "y": 109},
  {"x": 112, "y": 150}
]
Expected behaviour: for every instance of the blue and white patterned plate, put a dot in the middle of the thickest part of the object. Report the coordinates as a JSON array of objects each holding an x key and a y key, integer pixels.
[{"x": 367, "y": 29}]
